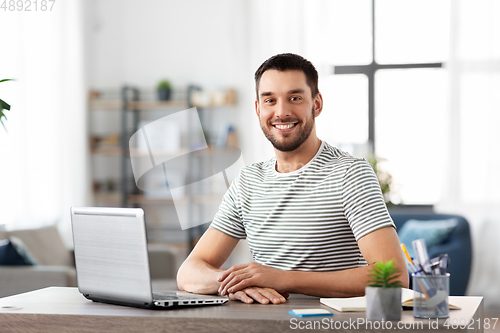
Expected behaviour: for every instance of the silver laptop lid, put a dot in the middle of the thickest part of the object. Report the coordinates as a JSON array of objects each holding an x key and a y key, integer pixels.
[{"x": 111, "y": 252}]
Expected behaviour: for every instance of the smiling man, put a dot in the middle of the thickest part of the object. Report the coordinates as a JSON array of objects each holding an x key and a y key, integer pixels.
[{"x": 314, "y": 216}]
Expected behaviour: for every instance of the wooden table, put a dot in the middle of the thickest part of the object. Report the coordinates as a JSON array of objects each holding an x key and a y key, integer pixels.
[{"x": 61, "y": 309}]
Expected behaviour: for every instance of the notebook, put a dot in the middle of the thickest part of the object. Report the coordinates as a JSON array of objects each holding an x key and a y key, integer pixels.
[
  {"x": 112, "y": 264},
  {"x": 358, "y": 304}
]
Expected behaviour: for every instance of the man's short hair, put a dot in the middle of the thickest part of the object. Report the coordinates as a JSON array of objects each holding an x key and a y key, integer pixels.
[{"x": 289, "y": 61}]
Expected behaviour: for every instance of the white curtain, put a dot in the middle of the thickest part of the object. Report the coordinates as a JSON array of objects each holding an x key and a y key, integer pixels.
[
  {"x": 474, "y": 154},
  {"x": 43, "y": 155}
]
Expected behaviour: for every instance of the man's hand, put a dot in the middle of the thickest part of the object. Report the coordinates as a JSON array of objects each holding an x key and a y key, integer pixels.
[
  {"x": 247, "y": 275},
  {"x": 261, "y": 295}
]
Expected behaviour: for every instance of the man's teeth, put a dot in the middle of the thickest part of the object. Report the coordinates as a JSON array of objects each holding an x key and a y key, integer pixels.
[{"x": 284, "y": 126}]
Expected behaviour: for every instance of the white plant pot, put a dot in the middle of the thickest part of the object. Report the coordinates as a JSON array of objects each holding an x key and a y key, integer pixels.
[{"x": 383, "y": 303}]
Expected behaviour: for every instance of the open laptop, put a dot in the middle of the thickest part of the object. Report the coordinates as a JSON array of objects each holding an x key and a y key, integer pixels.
[{"x": 112, "y": 264}]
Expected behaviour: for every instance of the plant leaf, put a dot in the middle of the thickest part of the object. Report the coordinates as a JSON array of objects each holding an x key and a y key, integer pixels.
[
  {"x": 4, "y": 105},
  {"x": 384, "y": 275},
  {"x": 2, "y": 115},
  {"x": 5, "y": 128}
]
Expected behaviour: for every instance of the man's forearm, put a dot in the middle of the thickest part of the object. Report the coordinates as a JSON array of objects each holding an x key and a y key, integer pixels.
[
  {"x": 381, "y": 244},
  {"x": 197, "y": 276},
  {"x": 345, "y": 283}
]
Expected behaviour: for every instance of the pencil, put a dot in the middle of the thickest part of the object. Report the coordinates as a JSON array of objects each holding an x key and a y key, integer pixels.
[{"x": 405, "y": 251}]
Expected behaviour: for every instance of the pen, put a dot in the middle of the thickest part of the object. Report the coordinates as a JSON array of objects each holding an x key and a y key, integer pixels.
[
  {"x": 405, "y": 251},
  {"x": 439, "y": 264},
  {"x": 420, "y": 249},
  {"x": 444, "y": 261},
  {"x": 411, "y": 268}
]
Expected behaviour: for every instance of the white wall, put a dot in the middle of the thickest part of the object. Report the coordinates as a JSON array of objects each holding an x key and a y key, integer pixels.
[
  {"x": 187, "y": 42},
  {"x": 142, "y": 42},
  {"x": 201, "y": 42}
]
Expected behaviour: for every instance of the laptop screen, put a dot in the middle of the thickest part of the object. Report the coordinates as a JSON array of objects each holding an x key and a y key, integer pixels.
[{"x": 111, "y": 252}]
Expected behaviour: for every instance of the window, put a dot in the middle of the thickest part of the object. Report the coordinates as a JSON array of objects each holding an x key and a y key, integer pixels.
[
  {"x": 344, "y": 119},
  {"x": 402, "y": 83},
  {"x": 411, "y": 131}
]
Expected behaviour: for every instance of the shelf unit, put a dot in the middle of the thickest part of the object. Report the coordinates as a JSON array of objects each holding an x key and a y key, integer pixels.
[{"x": 124, "y": 193}]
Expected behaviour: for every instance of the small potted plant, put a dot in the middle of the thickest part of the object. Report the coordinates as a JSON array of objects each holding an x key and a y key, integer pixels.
[
  {"x": 383, "y": 293},
  {"x": 164, "y": 89}
]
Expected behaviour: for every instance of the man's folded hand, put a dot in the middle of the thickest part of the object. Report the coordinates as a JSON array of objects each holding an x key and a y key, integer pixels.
[
  {"x": 261, "y": 295},
  {"x": 251, "y": 274}
]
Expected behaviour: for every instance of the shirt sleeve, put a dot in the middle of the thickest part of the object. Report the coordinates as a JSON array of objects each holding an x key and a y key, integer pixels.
[
  {"x": 363, "y": 202},
  {"x": 228, "y": 218}
]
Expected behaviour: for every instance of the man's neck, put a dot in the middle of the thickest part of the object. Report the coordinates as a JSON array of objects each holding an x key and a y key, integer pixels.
[{"x": 294, "y": 160}]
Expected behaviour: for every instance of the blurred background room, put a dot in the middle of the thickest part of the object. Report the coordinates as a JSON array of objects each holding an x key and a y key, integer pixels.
[{"x": 413, "y": 86}]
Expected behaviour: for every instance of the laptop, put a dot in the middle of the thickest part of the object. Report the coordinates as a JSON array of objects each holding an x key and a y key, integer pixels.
[{"x": 112, "y": 264}]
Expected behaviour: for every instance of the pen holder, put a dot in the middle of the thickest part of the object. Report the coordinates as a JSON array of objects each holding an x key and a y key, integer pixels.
[{"x": 430, "y": 299}]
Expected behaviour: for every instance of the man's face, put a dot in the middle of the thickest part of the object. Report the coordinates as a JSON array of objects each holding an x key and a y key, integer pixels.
[{"x": 285, "y": 108}]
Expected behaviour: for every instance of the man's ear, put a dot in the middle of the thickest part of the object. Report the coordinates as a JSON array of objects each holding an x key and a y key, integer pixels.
[
  {"x": 318, "y": 104},
  {"x": 257, "y": 108}
]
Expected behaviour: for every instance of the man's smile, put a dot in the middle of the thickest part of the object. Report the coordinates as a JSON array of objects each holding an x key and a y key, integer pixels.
[{"x": 285, "y": 127}]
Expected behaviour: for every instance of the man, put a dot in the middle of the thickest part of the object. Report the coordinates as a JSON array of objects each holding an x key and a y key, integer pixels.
[{"x": 313, "y": 216}]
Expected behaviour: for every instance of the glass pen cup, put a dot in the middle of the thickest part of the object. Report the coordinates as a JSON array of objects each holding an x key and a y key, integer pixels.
[{"x": 430, "y": 298}]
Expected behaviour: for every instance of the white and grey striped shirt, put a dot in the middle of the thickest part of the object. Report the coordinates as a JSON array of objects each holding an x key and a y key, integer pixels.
[{"x": 309, "y": 219}]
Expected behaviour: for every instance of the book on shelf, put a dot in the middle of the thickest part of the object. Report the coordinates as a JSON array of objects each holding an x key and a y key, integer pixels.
[{"x": 358, "y": 304}]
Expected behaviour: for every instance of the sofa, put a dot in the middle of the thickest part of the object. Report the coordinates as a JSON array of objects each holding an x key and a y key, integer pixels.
[
  {"x": 456, "y": 243},
  {"x": 55, "y": 262}
]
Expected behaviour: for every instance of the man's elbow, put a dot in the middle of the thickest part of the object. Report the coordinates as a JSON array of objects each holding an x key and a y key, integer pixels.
[
  {"x": 405, "y": 280},
  {"x": 182, "y": 277},
  {"x": 194, "y": 279},
  {"x": 403, "y": 277}
]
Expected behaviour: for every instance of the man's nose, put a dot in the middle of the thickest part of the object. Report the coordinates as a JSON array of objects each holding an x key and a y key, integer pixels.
[{"x": 282, "y": 110}]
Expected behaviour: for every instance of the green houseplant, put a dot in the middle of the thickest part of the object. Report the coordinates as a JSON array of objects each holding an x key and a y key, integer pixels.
[
  {"x": 384, "y": 179},
  {"x": 4, "y": 106},
  {"x": 164, "y": 89},
  {"x": 383, "y": 293}
]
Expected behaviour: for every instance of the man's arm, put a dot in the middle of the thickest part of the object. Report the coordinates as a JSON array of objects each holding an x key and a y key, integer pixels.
[
  {"x": 382, "y": 244},
  {"x": 198, "y": 274}
]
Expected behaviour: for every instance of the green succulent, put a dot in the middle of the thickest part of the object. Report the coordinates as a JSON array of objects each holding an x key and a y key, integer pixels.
[
  {"x": 164, "y": 85},
  {"x": 4, "y": 106},
  {"x": 384, "y": 275}
]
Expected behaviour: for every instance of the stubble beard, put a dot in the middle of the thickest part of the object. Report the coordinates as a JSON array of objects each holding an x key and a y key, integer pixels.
[{"x": 292, "y": 145}]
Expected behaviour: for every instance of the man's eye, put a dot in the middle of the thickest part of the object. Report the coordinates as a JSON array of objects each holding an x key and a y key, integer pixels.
[
  {"x": 295, "y": 98},
  {"x": 269, "y": 100}
]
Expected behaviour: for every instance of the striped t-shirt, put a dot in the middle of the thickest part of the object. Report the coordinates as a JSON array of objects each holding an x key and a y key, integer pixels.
[{"x": 309, "y": 219}]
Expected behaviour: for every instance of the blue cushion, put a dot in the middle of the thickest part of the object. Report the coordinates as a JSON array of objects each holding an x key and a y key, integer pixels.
[
  {"x": 434, "y": 232},
  {"x": 13, "y": 254}
]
